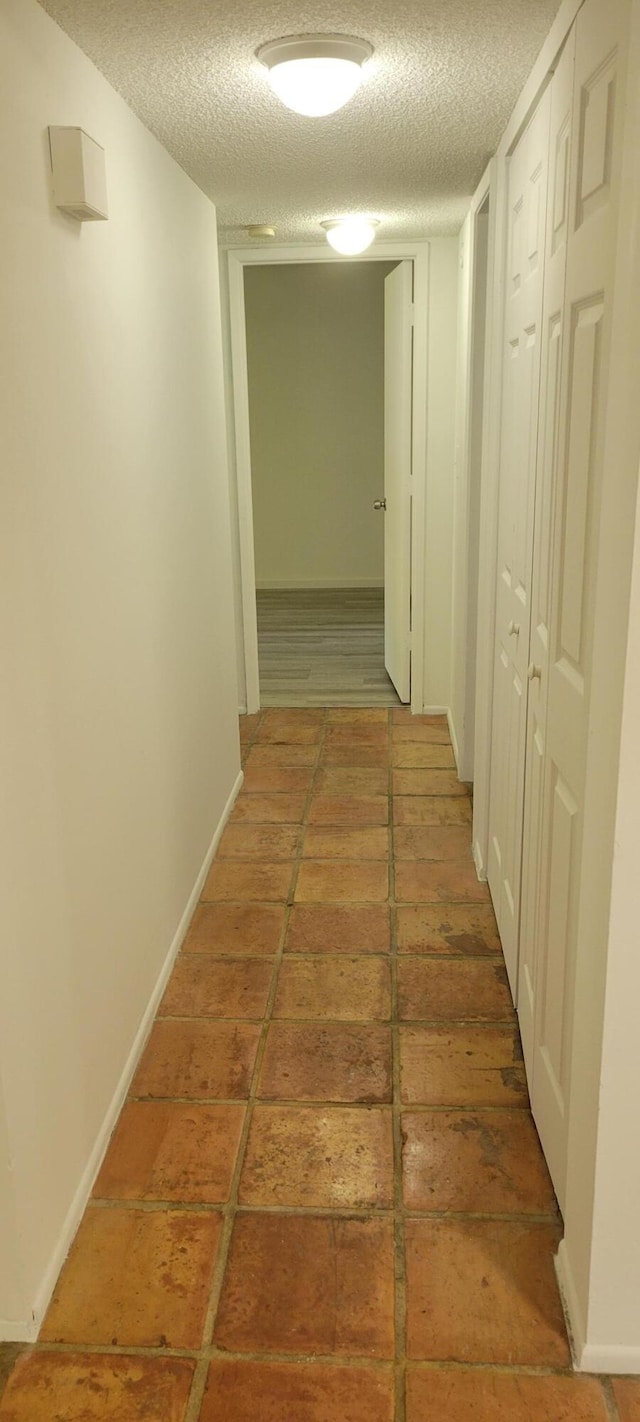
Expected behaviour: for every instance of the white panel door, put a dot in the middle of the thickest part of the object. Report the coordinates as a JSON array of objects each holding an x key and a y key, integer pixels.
[
  {"x": 597, "y": 113},
  {"x": 526, "y": 207},
  {"x": 398, "y": 382},
  {"x": 560, "y": 137}
]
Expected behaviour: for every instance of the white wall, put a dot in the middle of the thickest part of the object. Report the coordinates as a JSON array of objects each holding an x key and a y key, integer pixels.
[
  {"x": 315, "y": 354},
  {"x": 439, "y": 504},
  {"x": 119, "y": 744}
]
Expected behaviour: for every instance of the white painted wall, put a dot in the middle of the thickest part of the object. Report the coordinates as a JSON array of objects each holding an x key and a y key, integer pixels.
[
  {"x": 441, "y": 412},
  {"x": 315, "y": 354},
  {"x": 614, "y": 1312},
  {"x": 119, "y": 743}
]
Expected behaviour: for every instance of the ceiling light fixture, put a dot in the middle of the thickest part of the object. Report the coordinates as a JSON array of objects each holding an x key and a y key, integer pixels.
[
  {"x": 315, "y": 74},
  {"x": 350, "y": 235}
]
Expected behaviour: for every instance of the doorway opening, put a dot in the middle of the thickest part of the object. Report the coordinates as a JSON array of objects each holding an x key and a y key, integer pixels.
[
  {"x": 315, "y": 376},
  {"x": 315, "y": 336}
]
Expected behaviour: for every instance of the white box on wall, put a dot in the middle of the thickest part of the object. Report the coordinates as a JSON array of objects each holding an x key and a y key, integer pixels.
[{"x": 79, "y": 174}]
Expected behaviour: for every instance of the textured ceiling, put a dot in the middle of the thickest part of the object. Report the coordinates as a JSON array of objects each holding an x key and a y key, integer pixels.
[{"x": 409, "y": 148}]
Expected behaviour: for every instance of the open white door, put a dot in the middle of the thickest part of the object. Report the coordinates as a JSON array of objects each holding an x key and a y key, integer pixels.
[{"x": 398, "y": 381}]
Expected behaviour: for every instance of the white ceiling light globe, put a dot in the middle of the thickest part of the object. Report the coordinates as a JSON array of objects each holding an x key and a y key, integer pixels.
[
  {"x": 315, "y": 74},
  {"x": 351, "y": 235}
]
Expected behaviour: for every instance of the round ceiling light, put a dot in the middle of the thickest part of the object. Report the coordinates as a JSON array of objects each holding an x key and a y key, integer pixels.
[
  {"x": 350, "y": 235},
  {"x": 315, "y": 74}
]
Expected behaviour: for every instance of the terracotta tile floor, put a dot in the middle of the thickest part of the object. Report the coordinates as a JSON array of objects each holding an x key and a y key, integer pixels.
[{"x": 325, "y": 1198}]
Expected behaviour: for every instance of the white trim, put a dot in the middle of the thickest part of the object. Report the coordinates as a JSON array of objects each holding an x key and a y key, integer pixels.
[
  {"x": 539, "y": 76},
  {"x": 436, "y": 711},
  {"x": 240, "y": 399},
  {"x": 570, "y": 1303},
  {"x": 27, "y": 1331},
  {"x": 481, "y": 868},
  {"x": 454, "y": 740},
  {"x": 12, "y": 1332},
  {"x": 609, "y": 1358},
  {"x": 237, "y": 259},
  {"x": 466, "y": 534},
  {"x": 485, "y": 636},
  {"x": 299, "y": 585},
  {"x": 589, "y": 1357}
]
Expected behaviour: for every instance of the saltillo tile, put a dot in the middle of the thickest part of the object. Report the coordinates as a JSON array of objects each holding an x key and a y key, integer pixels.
[
  {"x": 328, "y": 1061},
  {"x": 89, "y": 1387},
  {"x": 338, "y": 928},
  {"x": 138, "y": 1278},
  {"x": 462, "y": 1066},
  {"x": 297, "y": 1392},
  {"x": 197, "y": 1059},
  {"x": 167, "y": 1150},
  {"x": 339, "y": 989},
  {"x": 279, "y": 1293},
  {"x": 235, "y": 928},
  {"x": 474, "y": 1162},
  {"x": 484, "y": 1291},
  {"x": 467, "y": 930},
  {"x": 330, "y": 1157},
  {"x": 488, "y": 1395}
]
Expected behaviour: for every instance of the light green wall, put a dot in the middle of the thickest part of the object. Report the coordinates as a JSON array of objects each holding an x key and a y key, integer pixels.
[{"x": 315, "y": 347}]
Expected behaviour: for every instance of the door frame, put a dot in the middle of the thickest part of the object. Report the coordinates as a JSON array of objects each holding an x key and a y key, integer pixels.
[{"x": 237, "y": 258}]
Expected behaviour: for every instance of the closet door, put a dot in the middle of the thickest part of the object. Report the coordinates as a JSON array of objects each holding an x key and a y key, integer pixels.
[
  {"x": 527, "y": 192},
  {"x": 560, "y": 139},
  {"x": 597, "y": 114}
]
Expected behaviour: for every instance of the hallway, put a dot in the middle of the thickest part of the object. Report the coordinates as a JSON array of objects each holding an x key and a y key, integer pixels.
[{"x": 325, "y": 1197}]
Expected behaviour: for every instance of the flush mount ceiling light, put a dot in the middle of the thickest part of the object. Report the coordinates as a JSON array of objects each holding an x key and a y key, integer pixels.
[
  {"x": 350, "y": 235},
  {"x": 315, "y": 74}
]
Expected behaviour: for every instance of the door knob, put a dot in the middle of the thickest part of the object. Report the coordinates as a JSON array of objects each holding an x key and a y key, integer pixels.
[
  {"x": 534, "y": 673},
  {"x": 379, "y": 503},
  {"x": 513, "y": 628}
]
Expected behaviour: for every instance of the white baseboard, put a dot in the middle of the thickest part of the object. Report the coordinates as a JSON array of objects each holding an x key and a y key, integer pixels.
[
  {"x": 481, "y": 868},
  {"x": 570, "y": 1304},
  {"x": 454, "y": 740},
  {"x": 609, "y": 1358},
  {"x": 589, "y": 1357},
  {"x": 27, "y": 1331},
  {"x": 12, "y": 1332},
  {"x": 302, "y": 584},
  {"x": 435, "y": 711}
]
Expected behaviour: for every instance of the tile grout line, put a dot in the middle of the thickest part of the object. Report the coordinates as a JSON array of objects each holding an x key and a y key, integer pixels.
[
  {"x": 399, "y": 1229},
  {"x": 610, "y": 1402}
]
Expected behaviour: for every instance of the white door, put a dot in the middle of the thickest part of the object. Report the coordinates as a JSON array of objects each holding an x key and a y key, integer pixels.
[
  {"x": 595, "y": 159},
  {"x": 526, "y": 210},
  {"x": 560, "y": 139},
  {"x": 398, "y": 382}
]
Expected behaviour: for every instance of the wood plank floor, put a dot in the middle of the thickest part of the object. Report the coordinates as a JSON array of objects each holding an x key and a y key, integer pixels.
[{"x": 323, "y": 647}]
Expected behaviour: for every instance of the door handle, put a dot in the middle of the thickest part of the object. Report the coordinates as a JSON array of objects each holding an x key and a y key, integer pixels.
[
  {"x": 534, "y": 673},
  {"x": 513, "y": 628},
  {"x": 379, "y": 503}
]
